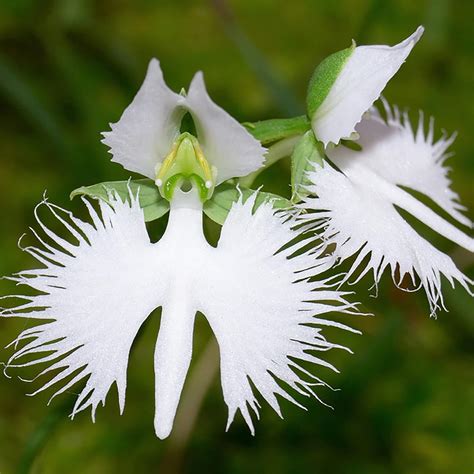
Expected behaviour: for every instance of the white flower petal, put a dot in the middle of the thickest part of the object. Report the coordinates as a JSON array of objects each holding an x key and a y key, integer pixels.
[
  {"x": 226, "y": 144},
  {"x": 361, "y": 218},
  {"x": 358, "y": 85},
  {"x": 257, "y": 309},
  {"x": 407, "y": 158},
  {"x": 96, "y": 293},
  {"x": 264, "y": 311},
  {"x": 143, "y": 136}
]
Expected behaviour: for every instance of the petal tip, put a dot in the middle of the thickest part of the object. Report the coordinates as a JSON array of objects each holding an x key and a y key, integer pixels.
[
  {"x": 153, "y": 67},
  {"x": 418, "y": 33},
  {"x": 198, "y": 77},
  {"x": 162, "y": 431}
]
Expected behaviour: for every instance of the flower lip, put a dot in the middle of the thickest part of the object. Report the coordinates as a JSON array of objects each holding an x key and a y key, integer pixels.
[{"x": 260, "y": 299}]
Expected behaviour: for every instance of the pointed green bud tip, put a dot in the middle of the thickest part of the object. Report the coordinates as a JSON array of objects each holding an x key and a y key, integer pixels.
[
  {"x": 308, "y": 152},
  {"x": 324, "y": 77},
  {"x": 185, "y": 166}
]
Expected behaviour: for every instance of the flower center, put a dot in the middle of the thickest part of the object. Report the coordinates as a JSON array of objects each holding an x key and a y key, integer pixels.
[{"x": 185, "y": 167}]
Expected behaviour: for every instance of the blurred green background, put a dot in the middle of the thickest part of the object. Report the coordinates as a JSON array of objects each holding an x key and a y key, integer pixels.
[{"x": 68, "y": 67}]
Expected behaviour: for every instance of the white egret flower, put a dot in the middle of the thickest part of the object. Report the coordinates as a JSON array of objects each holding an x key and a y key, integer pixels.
[
  {"x": 97, "y": 287},
  {"x": 346, "y": 84},
  {"x": 357, "y": 203}
]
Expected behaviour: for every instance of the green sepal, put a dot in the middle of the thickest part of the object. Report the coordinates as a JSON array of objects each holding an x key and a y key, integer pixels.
[
  {"x": 269, "y": 131},
  {"x": 308, "y": 151},
  {"x": 217, "y": 208},
  {"x": 324, "y": 77},
  {"x": 153, "y": 204}
]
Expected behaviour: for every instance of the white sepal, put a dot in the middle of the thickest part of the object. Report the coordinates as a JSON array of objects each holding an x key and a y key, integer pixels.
[
  {"x": 358, "y": 85},
  {"x": 227, "y": 145},
  {"x": 148, "y": 126},
  {"x": 356, "y": 205}
]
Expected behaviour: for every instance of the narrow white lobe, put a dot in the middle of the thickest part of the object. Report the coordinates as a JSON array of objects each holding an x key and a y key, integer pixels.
[
  {"x": 172, "y": 358},
  {"x": 417, "y": 209},
  {"x": 185, "y": 247}
]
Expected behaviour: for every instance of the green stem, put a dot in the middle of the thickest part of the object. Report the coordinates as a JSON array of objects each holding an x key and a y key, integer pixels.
[
  {"x": 270, "y": 131},
  {"x": 276, "y": 152},
  {"x": 201, "y": 378},
  {"x": 40, "y": 436}
]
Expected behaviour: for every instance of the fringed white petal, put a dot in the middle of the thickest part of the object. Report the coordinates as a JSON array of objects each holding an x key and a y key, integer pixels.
[
  {"x": 227, "y": 145},
  {"x": 408, "y": 157},
  {"x": 358, "y": 85},
  {"x": 97, "y": 287},
  {"x": 265, "y": 312},
  {"x": 257, "y": 296},
  {"x": 143, "y": 136},
  {"x": 355, "y": 208}
]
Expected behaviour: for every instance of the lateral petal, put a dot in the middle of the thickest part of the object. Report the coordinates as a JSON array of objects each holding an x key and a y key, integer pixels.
[
  {"x": 143, "y": 136},
  {"x": 265, "y": 312},
  {"x": 96, "y": 288},
  {"x": 359, "y": 83},
  {"x": 392, "y": 155},
  {"x": 227, "y": 145},
  {"x": 406, "y": 156}
]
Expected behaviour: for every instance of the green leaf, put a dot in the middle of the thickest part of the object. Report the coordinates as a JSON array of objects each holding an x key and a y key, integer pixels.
[
  {"x": 153, "y": 204},
  {"x": 324, "y": 77},
  {"x": 307, "y": 152},
  {"x": 269, "y": 131},
  {"x": 225, "y": 195}
]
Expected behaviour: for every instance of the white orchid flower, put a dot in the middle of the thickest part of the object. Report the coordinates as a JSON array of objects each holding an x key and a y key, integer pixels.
[
  {"x": 346, "y": 84},
  {"x": 98, "y": 286},
  {"x": 357, "y": 203}
]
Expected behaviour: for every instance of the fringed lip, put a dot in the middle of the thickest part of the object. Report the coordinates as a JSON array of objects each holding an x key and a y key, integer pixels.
[{"x": 266, "y": 303}]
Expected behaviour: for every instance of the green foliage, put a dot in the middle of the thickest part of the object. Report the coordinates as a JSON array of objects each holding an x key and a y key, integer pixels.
[
  {"x": 306, "y": 154},
  {"x": 226, "y": 195},
  {"x": 269, "y": 131},
  {"x": 153, "y": 204}
]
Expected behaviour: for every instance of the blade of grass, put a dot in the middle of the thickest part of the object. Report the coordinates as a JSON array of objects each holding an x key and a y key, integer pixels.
[
  {"x": 16, "y": 89},
  {"x": 40, "y": 436}
]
